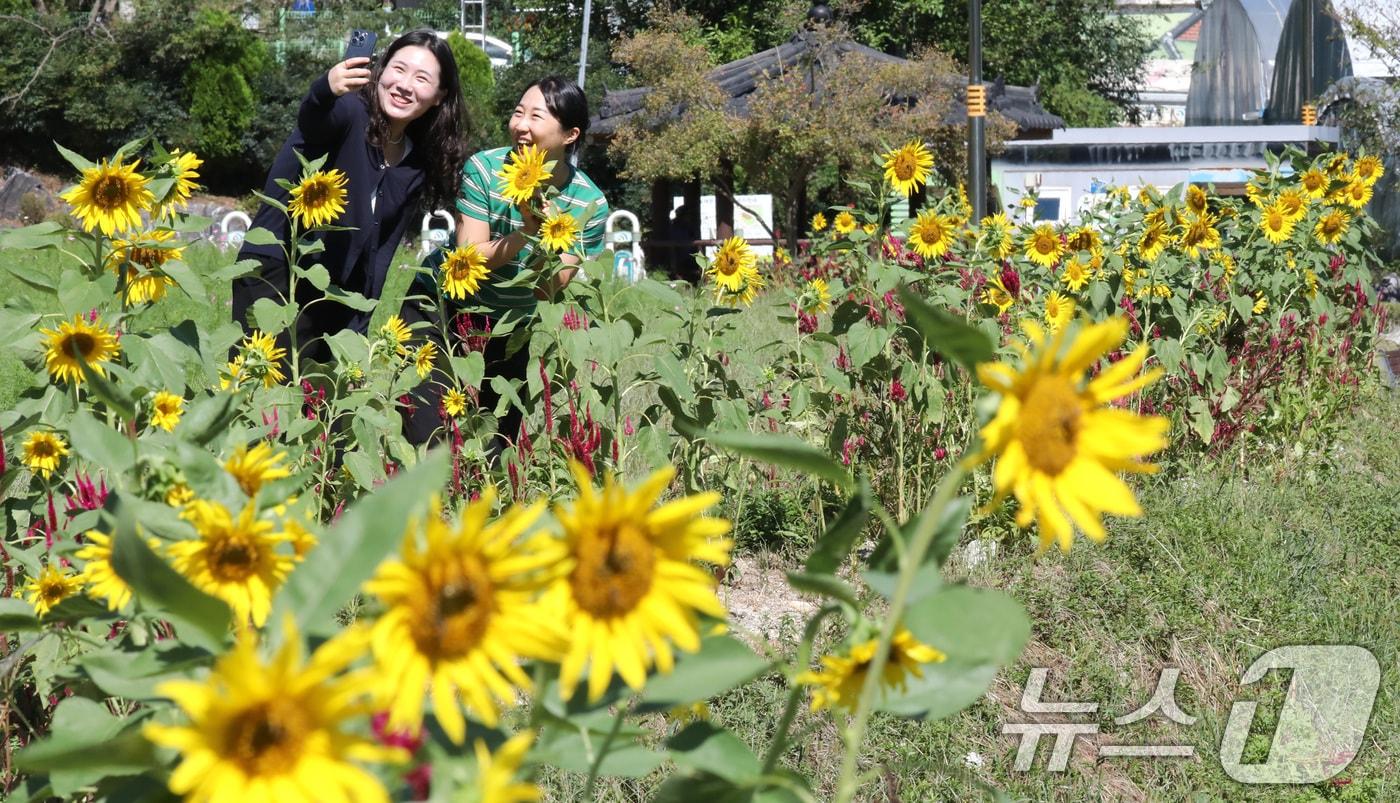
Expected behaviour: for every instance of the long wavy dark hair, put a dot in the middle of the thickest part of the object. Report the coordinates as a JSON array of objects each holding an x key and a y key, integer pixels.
[{"x": 438, "y": 132}]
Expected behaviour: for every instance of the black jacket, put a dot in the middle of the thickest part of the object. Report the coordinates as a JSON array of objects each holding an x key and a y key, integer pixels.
[{"x": 357, "y": 260}]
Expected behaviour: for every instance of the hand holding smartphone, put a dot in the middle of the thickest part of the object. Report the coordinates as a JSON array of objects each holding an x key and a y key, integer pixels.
[{"x": 347, "y": 77}]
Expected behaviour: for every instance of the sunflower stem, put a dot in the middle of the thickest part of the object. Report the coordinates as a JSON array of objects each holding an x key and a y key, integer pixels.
[
  {"x": 909, "y": 567},
  {"x": 603, "y": 748},
  {"x": 804, "y": 659}
]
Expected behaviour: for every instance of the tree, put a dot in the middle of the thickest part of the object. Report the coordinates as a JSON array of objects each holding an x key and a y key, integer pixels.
[
  {"x": 836, "y": 113},
  {"x": 1087, "y": 60}
]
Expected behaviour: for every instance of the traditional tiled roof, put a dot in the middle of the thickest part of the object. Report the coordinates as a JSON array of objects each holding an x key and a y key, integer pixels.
[{"x": 738, "y": 80}]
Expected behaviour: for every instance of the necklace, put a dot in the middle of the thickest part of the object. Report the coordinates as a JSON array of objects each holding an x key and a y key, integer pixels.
[{"x": 398, "y": 141}]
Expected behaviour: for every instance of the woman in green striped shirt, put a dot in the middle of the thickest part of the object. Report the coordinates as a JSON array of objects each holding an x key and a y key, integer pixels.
[{"x": 552, "y": 115}]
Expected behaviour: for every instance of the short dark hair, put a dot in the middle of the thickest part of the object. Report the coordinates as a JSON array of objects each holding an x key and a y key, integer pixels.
[
  {"x": 566, "y": 101},
  {"x": 439, "y": 130}
]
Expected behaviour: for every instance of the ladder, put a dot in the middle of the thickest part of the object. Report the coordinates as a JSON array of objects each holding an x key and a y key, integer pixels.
[{"x": 472, "y": 19}]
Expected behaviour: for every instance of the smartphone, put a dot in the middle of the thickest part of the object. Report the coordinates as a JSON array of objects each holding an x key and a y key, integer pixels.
[{"x": 361, "y": 44}]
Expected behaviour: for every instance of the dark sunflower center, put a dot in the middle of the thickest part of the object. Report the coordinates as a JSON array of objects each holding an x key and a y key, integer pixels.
[
  {"x": 905, "y": 165},
  {"x": 267, "y": 738},
  {"x": 315, "y": 194},
  {"x": 1049, "y": 424},
  {"x": 456, "y": 610},
  {"x": 110, "y": 192},
  {"x": 81, "y": 345},
  {"x": 614, "y": 571},
  {"x": 233, "y": 558},
  {"x": 41, "y": 450},
  {"x": 53, "y": 591}
]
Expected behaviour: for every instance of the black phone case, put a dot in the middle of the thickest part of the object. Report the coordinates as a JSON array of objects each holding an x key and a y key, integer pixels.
[{"x": 361, "y": 43}]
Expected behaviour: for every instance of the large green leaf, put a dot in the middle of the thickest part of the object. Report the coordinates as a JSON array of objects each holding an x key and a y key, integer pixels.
[
  {"x": 87, "y": 744},
  {"x": 209, "y": 417},
  {"x": 575, "y": 749},
  {"x": 721, "y": 664},
  {"x": 102, "y": 386},
  {"x": 200, "y": 620},
  {"x": 17, "y": 615},
  {"x": 779, "y": 450},
  {"x": 39, "y": 235},
  {"x": 353, "y": 547},
  {"x": 101, "y": 444},
  {"x": 978, "y": 629},
  {"x": 134, "y": 675},
  {"x": 704, "y": 747},
  {"x": 950, "y": 336},
  {"x": 840, "y": 535}
]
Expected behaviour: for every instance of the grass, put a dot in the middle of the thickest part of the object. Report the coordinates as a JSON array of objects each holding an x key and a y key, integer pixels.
[{"x": 1261, "y": 549}]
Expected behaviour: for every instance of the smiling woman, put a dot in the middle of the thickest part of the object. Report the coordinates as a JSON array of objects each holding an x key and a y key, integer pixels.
[{"x": 391, "y": 135}]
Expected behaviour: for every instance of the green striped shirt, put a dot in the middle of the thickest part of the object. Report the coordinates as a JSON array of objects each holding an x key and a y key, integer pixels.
[{"x": 481, "y": 199}]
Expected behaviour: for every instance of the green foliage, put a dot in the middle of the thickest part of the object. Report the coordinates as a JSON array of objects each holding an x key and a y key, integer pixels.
[
  {"x": 482, "y": 125},
  {"x": 221, "y": 107}
]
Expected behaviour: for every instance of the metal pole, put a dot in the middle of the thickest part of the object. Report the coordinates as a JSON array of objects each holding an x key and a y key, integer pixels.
[
  {"x": 976, "y": 119},
  {"x": 1307, "y": 82},
  {"x": 583, "y": 48}
]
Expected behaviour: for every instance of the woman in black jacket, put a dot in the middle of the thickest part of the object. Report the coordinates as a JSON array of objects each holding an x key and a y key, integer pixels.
[{"x": 395, "y": 132}]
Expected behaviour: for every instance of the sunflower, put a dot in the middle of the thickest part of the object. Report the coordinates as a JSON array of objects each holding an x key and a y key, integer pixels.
[
  {"x": 840, "y": 681},
  {"x": 103, "y": 581},
  {"x": 1058, "y": 441},
  {"x": 235, "y": 560},
  {"x": 1314, "y": 182},
  {"x": 818, "y": 222},
  {"x": 1196, "y": 199},
  {"x": 1075, "y": 275},
  {"x": 1261, "y": 303},
  {"x": 525, "y": 173},
  {"x": 1043, "y": 246},
  {"x": 1331, "y": 226},
  {"x": 75, "y": 344},
  {"x": 931, "y": 234},
  {"x": 495, "y": 774},
  {"x": 319, "y": 199},
  {"x": 735, "y": 271},
  {"x": 166, "y": 409},
  {"x": 424, "y": 358},
  {"x": 1059, "y": 311},
  {"x": 1199, "y": 236},
  {"x": 43, "y": 451},
  {"x": 1255, "y": 193},
  {"x": 260, "y": 357},
  {"x": 110, "y": 196},
  {"x": 559, "y": 232},
  {"x": 254, "y": 467},
  {"x": 1084, "y": 238},
  {"x": 995, "y": 235},
  {"x": 1152, "y": 242},
  {"x": 143, "y": 257},
  {"x": 276, "y": 730},
  {"x": 52, "y": 586},
  {"x": 997, "y": 295},
  {"x": 183, "y": 167},
  {"x": 397, "y": 332},
  {"x": 1294, "y": 202},
  {"x": 1337, "y": 165},
  {"x": 1310, "y": 280},
  {"x": 908, "y": 167},
  {"x": 460, "y": 611},
  {"x": 844, "y": 223},
  {"x": 454, "y": 402},
  {"x": 633, "y": 590},
  {"x": 463, "y": 271},
  {"x": 1369, "y": 170},
  {"x": 1356, "y": 193},
  {"x": 1276, "y": 223},
  {"x": 816, "y": 297}
]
